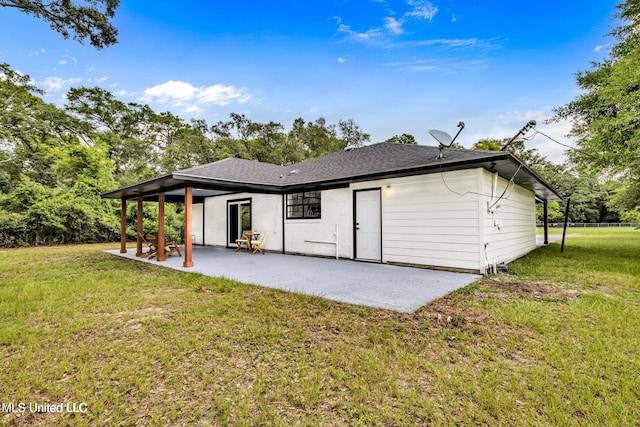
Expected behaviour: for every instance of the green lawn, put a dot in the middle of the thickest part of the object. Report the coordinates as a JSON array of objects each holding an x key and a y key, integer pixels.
[{"x": 555, "y": 343}]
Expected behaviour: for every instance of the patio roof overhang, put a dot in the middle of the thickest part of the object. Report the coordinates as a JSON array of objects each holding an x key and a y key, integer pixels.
[{"x": 173, "y": 186}]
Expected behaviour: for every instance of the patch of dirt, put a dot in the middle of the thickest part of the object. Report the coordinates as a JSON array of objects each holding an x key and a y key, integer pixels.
[
  {"x": 136, "y": 319},
  {"x": 526, "y": 289}
]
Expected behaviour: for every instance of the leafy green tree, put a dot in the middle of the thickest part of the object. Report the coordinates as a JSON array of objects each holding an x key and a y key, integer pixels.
[
  {"x": 405, "y": 138},
  {"x": 351, "y": 134},
  {"x": 136, "y": 136},
  {"x": 190, "y": 147},
  {"x": 605, "y": 120},
  {"x": 30, "y": 128},
  {"x": 488, "y": 144},
  {"x": 316, "y": 138},
  {"x": 530, "y": 157},
  {"x": 88, "y": 19},
  {"x": 625, "y": 194},
  {"x": 588, "y": 196}
]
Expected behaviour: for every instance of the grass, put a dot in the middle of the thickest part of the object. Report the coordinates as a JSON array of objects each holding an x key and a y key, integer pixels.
[{"x": 554, "y": 343}]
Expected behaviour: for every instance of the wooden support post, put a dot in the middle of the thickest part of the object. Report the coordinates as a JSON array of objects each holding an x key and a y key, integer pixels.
[
  {"x": 139, "y": 228},
  {"x": 123, "y": 227},
  {"x": 161, "y": 254},
  {"x": 188, "y": 218}
]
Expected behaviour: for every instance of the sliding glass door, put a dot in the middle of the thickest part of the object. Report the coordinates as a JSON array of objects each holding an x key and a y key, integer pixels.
[{"x": 238, "y": 219}]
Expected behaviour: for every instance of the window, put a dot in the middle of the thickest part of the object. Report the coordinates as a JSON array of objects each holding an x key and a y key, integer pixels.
[{"x": 303, "y": 205}]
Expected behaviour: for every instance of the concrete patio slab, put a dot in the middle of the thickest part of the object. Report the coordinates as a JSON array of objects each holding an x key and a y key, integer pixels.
[{"x": 391, "y": 287}]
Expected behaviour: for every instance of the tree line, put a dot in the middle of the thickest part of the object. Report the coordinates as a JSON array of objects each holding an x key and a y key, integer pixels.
[{"x": 55, "y": 162}]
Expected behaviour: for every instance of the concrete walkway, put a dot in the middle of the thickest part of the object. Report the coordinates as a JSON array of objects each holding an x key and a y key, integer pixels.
[
  {"x": 552, "y": 239},
  {"x": 390, "y": 287}
]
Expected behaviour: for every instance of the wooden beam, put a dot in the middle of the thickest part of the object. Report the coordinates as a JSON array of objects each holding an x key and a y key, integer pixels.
[
  {"x": 123, "y": 227},
  {"x": 139, "y": 228},
  {"x": 188, "y": 218},
  {"x": 161, "y": 254}
]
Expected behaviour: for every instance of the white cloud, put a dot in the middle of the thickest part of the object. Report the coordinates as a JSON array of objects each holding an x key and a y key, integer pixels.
[
  {"x": 548, "y": 142},
  {"x": 171, "y": 90},
  {"x": 65, "y": 60},
  {"x": 223, "y": 95},
  {"x": 422, "y": 9},
  {"x": 342, "y": 59},
  {"x": 193, "y": 109},
  {"x": 393, "y": 25},
  {"x": 451, "y": 65},
  {"x": 178, "y": 92},
  {"x": 601, "y": 47},
  {"x": 56, "y": 84},
  {"x": 367, "y": 36}
]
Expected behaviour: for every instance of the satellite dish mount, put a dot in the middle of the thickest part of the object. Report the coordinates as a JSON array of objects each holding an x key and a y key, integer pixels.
[{"x": 444, "y": 139}]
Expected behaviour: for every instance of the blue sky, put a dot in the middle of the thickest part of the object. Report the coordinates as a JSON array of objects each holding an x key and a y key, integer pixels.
[{"x": 395, "y": 67}]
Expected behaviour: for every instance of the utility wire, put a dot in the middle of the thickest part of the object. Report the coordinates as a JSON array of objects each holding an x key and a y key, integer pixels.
[
  {"x": 510, "y": 183},
  {"x": 554, "y": 140},
  {"x": 582, "y": 152},
  {"x": 513, "y": 184}
]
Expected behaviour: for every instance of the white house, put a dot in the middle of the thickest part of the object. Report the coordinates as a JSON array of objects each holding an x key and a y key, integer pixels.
[{"x": 467, "y": 210}]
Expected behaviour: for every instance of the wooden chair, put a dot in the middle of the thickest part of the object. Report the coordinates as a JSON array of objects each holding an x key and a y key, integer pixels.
[
  {"x": 244, "y": 242},
  {"x": 170, "y": 247},
  {"x": 151, "y": 242},
  {"x": 257, "y": 244}
]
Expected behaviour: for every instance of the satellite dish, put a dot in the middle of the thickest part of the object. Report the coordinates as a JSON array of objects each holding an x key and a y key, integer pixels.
[{"x": 442, "y": 137}]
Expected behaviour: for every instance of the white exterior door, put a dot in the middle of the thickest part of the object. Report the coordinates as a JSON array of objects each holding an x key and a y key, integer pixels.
[{"x": 368, "y": 225}]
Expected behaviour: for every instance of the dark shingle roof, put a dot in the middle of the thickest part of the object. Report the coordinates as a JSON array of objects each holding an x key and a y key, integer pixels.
[
  {"x": 238, "y": 170},
  {"x": 376, "y": 159},
  {"x": 369, "y": 162}
]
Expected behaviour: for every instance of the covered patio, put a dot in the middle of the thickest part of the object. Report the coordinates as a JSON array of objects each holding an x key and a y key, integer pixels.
[
  {"x": 403, "y": 289},
  {"x": 176, "y": 187}
]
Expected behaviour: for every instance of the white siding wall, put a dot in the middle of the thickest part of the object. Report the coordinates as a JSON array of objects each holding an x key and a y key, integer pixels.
[
  {"x": 509, "y": 227},
  {"x": 426, "y": 223},
  {"x": 196, "y": 222},
  {"x": 266, "y": 215},
  {"x": 304, "y": 235},
  {"x": 438, "y": 220}
]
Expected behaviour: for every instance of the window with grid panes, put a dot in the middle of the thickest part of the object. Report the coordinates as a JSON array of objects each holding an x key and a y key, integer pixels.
[{"x": 303, "y": 205}]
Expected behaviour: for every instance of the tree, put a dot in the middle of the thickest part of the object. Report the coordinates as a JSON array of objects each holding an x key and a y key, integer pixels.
[
  {"x": 316, "y": 138},
  {"x": 588, "y": 195},
  {"x": 605, "y": 119},
  {"x": 405, "y": 138},
  {"x": 351, "y": 134},
  {"x": 530, "y": 157},
  {"x": 89, "y": 19}
]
